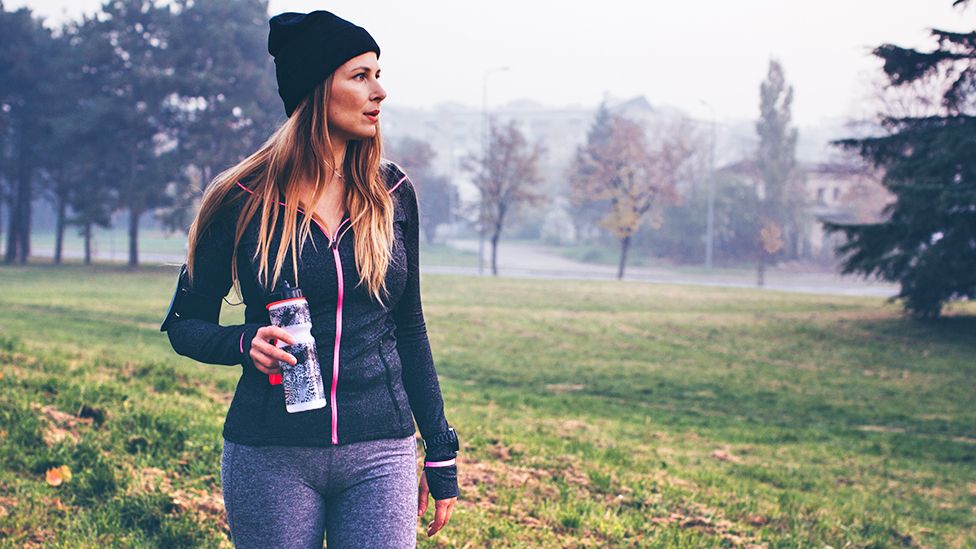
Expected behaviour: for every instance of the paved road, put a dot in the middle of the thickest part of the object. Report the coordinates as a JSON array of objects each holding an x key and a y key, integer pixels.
[
  {"x": 526, "y": 260},
  {"x": 532, "y": 260}
]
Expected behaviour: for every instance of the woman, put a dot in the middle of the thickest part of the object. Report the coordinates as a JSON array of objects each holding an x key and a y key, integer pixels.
[{"x": 346, "y": 472}]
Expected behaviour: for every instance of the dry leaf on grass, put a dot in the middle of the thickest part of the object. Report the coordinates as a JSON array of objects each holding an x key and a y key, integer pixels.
[
  {"x": 60, "y": 425},
  {"x": 55, "y": 476},
  {"x": 725, "y": 455}
]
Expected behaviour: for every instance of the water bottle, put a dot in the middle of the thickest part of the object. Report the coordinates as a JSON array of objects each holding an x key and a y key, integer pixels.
[{"x": 303, "y": 381}]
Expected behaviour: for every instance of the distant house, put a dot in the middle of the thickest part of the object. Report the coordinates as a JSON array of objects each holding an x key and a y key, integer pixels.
[{"x": 837, "y": 192}]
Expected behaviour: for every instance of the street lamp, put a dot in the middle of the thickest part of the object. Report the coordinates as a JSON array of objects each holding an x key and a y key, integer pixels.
[
  {"x": 710, "y": 223},
  {"x": 484, "y": 152}
]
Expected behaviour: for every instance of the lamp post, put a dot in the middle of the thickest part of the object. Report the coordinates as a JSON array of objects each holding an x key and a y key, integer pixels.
[
  {"x": 484, "y": 152},
  {"x": 710, "y": 222}
]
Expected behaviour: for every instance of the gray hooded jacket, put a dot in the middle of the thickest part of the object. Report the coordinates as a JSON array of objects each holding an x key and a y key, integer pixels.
[{"x": 375, "y": 361}]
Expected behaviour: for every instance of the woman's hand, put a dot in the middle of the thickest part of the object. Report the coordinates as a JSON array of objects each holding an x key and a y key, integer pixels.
[
  {"x": 442, "y": 507},
  {"x": 266, "y": 355}
]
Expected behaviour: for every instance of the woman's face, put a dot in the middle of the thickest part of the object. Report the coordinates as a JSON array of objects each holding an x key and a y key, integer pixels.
[{"x": 355, "y": 92}]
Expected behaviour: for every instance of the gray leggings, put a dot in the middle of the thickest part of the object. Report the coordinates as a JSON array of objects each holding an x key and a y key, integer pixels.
[{"x": 362, "y": 494}]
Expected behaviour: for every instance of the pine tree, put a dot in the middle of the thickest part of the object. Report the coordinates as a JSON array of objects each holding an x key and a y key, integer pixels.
[
  {"x": 927, "y": 243},
  {"x": 776, "y": 160}
]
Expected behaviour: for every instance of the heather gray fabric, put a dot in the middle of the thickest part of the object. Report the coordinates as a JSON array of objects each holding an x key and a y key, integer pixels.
[
  {"x": 362, "y": 494},
  {"x": 385, "y": 377}
]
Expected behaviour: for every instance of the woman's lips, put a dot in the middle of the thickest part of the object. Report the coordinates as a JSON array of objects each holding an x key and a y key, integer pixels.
[{"x": 372, "y": 117}]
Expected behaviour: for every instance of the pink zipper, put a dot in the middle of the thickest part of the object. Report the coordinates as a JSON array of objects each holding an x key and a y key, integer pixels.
[{"x": 334, "y": 244}]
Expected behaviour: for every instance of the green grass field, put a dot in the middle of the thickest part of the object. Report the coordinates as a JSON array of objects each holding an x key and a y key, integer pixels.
[{"x": 592, "y": 414}]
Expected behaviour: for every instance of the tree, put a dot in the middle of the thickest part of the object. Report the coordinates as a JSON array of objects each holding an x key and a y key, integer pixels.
[
  {"x": 25, "y": 92},
  {"x": 223, "y": 100},
  {"x": 776, "y": 160},
  {"x": 635, "y": 180},
  {"x": 584, "y": 210},
  {"x": 437, "y": 199},
  {"x": 927, "y": 243},
  {"x": 504, "y": 178},
  {"x": 734, "y": 233},
  {"x": 414, "y": 155},
  {"x": 437, "y": 196},
  {"x": 86, "y": 136}
]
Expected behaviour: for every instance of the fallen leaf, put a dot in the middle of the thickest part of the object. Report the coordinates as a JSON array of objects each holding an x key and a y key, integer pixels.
[
  {"x": 757, "y": 520},
  {"x": 53, "y": 476},
  {"x": 725, "y": 455}
]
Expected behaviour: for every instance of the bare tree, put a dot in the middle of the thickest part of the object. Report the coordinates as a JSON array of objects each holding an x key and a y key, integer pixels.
[{"x": 504, "y": 179}]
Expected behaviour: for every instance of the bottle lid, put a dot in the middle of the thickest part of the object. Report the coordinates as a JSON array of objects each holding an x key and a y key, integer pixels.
[{"x": 286, "y": 292}]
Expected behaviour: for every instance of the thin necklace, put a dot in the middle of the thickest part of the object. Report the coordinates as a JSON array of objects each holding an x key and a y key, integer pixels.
[{"x": 335, "y": 171}]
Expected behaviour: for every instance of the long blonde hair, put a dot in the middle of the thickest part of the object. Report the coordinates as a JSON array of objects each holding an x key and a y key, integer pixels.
[{"x": 299, "y": 151}]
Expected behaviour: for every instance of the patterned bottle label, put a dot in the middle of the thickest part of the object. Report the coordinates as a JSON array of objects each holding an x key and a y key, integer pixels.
[
  {"x": 304, "y": 389},
  {"x": 303, "y": 381}
]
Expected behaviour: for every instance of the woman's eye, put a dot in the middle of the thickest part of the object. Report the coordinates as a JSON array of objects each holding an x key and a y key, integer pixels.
[{"x": 361, "y": 74}]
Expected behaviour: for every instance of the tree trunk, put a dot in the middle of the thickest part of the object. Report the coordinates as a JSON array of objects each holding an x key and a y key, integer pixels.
[
  {"x": 25, "y": 218},
  {"x": 88, "y": 238},
  {"x": 761, "y": 267},
  {"x": 1, "y": 198},
  {"x": 494, "y": 254},
  {"x": 577, "y": 230},
  {"x": 59, "y": 230},
  {"x": 24, "y": 170},
  {"x": 18, "y": 237},
  {"x": 10, "y": 252},
  {"x": 624, "y": 245},
  {"x": 134, "y": 214}
]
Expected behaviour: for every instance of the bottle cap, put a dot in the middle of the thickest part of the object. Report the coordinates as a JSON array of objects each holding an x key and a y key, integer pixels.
[{"x": 286, "y": 291}]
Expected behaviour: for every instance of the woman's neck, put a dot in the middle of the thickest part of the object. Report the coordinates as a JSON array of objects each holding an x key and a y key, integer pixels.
[
  {"x": 335, "y": 190},
  {"x": 339, "y": 151}
]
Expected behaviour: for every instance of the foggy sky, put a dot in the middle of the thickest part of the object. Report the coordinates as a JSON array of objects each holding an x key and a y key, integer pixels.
[{"x": 674, "y": 53}]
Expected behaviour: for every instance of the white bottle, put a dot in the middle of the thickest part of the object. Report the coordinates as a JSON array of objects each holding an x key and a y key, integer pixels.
[{"x": 302, "y": 382}]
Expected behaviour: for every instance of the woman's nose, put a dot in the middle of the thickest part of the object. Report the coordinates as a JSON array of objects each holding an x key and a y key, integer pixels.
[{"x": 379, "y": 93}]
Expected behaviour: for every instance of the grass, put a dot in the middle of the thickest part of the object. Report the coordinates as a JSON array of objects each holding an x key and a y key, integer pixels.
[{"x": 592, "y": 414}]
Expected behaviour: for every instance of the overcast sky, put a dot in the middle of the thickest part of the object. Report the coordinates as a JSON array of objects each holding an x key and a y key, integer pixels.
[{"x": 674, "y": 53}]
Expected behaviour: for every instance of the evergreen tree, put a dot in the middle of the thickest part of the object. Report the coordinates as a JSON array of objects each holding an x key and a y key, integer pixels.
[
  {"x": 776, "y": 160},
  {"x": 927, "y": 243}
]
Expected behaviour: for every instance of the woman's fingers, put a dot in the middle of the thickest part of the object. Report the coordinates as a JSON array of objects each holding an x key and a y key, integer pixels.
[
  {"x": 268, "y": 333},
  {"x": 264, "y": 363},
  {"x": 422, "y": 495},
  {"x": 266, "y": 355},
  {"x": 274, "y": 353},
  {"x": 442, "y": 513}
]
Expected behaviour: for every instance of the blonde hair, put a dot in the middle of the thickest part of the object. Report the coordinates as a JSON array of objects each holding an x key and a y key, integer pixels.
[{"x": 300, "y": 150}]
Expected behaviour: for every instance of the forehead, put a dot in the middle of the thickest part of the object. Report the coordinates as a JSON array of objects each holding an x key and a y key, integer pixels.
[{"x": 367, "y": 59}]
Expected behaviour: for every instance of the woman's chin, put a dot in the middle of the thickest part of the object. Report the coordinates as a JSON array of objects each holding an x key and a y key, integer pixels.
[{"x": 367, "y": 133}]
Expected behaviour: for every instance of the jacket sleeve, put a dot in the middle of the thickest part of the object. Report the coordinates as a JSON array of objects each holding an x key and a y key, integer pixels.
[
  {"x": 193, "y": 326},
  {"x": 419, "y": 375}
]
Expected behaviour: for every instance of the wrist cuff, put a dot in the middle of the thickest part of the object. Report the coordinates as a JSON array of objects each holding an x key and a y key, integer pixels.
[{"x": 445, "y": 463}]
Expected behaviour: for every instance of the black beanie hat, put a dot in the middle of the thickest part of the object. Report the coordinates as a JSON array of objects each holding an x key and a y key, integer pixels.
[{"x": 308, "y": 47}]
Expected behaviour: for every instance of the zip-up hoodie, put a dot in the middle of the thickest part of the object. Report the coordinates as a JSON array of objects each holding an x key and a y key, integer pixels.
[{"x": 376, "y": 362}]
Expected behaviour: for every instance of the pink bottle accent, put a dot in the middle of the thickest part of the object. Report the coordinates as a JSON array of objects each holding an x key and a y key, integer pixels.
[
  {"x": 334, "y": 244},
  {"x": 447, "y": 463}
]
